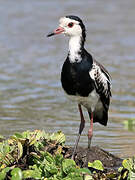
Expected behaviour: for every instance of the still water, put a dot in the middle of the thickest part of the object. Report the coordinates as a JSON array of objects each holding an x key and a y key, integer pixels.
[{"x": 31, "y": 96}]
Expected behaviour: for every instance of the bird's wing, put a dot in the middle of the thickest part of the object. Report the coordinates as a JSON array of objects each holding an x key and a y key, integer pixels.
[{"x": 101, "y": 79}]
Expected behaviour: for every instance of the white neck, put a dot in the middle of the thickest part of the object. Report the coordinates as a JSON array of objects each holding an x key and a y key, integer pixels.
[{"x": 74, "y": 49}]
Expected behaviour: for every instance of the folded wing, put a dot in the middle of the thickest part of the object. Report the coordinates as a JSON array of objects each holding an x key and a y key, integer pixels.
[{"x": 102, "y": 82}]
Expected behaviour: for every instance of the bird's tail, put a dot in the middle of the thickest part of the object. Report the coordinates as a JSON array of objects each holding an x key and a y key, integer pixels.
[{"x": 100, "y": 115}]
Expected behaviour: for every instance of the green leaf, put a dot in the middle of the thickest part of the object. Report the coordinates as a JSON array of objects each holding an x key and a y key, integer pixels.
[
  {"x": 88, "y": 177},
  {"x": 96, "y": 165},
  {"x": 16, "y": 174},
  {"x": 1, "y": 138},
  {"x": 127, "y": 163},
  {"x": 131, "y": 175},
  {"x": 20, "y": 150},
  {"x": 26, "y": 134},
  {"x": 59, "y": 137},
  {"x": 58, "y": 159},
  {"x": 35, "y": 136},
  {"x": 49, "y": 157},
  {"x": 18, "y": 135},
  {"x": 68, "y": 165},
  {"x": 125, "y": 174},
  {"x": 111, "y": 175},
  {"x": 4, "y": 172},
  {"x": 84, "y": 171},
  {"x": 31, "y": 174},
  {"x": 67, "y": 178},
  {"x": 130, "y": 124},
  {"x": 74, "y": 175},
  {"x": 120, "y": 169},
  {"x": 6, "y": 155},
  {"x": 50, "y": 168}
]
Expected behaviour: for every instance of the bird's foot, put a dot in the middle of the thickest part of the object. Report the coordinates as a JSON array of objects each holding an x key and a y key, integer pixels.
[
  {"x": 75, "y": 148},
  {"x": 74, "y": 151}
]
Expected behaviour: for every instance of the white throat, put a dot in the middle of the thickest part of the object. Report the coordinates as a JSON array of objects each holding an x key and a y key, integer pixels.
[{"x": 74, "y": 49}]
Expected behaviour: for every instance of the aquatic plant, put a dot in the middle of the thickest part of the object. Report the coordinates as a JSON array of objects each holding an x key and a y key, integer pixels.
[
  {"x": 130, "y": 124},
  {"x": 39, "y": 155}
]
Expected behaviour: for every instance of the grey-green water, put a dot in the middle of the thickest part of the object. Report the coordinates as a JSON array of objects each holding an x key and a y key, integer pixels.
[{"x": 31, "y": 96}]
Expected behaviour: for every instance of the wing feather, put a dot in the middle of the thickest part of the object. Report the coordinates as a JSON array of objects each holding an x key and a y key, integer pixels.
[{"x": 101, "y": 79}]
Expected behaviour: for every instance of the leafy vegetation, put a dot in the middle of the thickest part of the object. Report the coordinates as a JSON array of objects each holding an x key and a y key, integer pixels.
[
  {"x": 96, "y": 165},
  {"x": 38, "y": 155},
  {"x": 130, "y": 124},
  {"x": 127, "y": 171}
]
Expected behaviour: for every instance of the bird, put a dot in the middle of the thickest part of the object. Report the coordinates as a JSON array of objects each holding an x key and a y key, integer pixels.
[{"x": 83, "y": 79}]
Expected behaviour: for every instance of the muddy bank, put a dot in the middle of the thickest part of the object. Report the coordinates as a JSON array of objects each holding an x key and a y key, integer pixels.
[
  {"x": 110, "y": 162},
  {"x": 83, "y": 156}
]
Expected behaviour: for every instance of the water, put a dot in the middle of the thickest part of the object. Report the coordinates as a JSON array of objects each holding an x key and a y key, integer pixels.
[{"x": 31, "y": 96}]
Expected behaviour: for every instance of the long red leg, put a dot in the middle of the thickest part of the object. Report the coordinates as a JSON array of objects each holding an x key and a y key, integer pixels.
[
  {"x": 82, "y": 124},
  {"x": 90, "y": 131}
]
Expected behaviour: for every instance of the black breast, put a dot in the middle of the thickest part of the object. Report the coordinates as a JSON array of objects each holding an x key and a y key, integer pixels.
[{"x": 75, "y": 77}]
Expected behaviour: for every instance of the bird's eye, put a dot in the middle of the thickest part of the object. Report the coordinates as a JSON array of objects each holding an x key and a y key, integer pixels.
[{"x": 70, "y": 25}]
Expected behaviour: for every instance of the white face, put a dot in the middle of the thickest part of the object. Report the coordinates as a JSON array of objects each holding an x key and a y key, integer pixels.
[{"x": 71, "y": 27}]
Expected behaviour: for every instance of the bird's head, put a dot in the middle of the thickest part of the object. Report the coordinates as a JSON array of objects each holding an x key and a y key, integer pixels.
[{"x": 71, "y": 26}]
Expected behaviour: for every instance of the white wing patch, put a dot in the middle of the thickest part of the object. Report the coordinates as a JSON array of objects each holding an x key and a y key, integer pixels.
[{"x": 102, "y": 83}]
